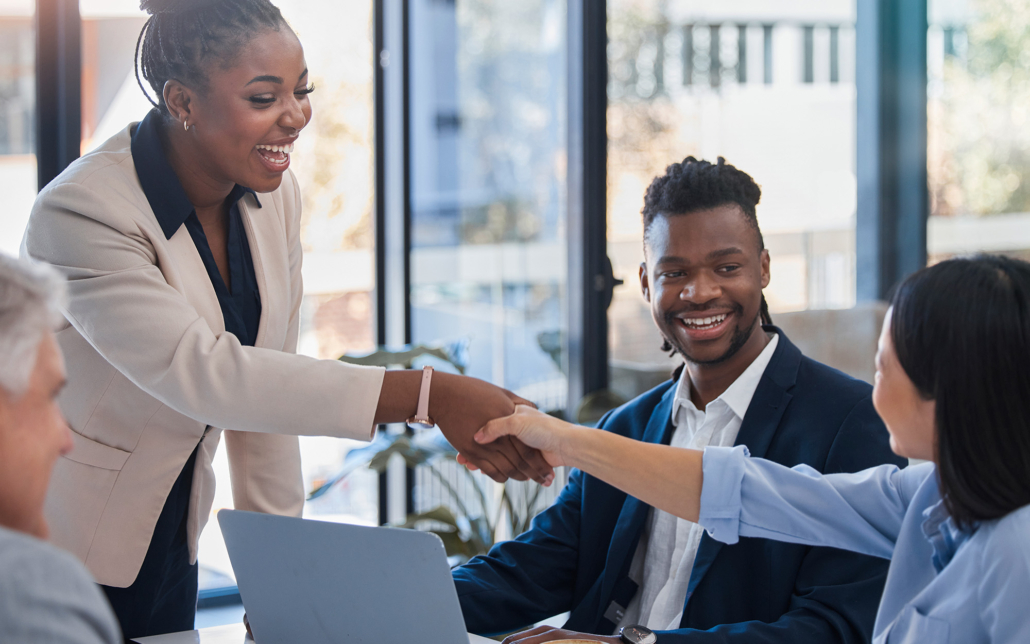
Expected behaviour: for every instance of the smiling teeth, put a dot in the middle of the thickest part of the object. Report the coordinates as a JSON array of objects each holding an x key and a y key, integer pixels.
[
  {"x": 704, "y": 323},
  {"x": 285, "y": 149}
]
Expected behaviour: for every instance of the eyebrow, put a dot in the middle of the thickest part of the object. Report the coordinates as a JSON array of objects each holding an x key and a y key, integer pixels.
[
  {"x": 266, "y": 79},
  {"x": 715, "y": 254},
  {"x": 274, "y": 79}
]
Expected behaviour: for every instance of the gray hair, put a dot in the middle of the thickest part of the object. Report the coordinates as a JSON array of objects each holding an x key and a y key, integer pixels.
[{"x": 31, "y": 296}]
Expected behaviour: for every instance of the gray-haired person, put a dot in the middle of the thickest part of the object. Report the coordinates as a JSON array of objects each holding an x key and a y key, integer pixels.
[{"x": 46, "y": 595}]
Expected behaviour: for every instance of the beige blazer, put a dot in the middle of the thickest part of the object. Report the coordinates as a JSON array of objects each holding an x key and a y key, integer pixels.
[{"x": 152, "y": 373}]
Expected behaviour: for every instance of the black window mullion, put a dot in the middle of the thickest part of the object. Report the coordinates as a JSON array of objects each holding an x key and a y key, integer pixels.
[
  {"x": 58, "y": 87},
  {"x": 893, "y": 200},
  {"x": 392, "y": 182},
  {"x": 589, "y": 280}
]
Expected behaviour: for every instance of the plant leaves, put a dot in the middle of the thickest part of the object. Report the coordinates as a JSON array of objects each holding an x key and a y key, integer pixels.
[{"x": 440, "y": 514}]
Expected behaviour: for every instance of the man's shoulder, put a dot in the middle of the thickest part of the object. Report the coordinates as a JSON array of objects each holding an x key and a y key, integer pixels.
[
  {"x": 834, "y": 398},
  {"x": 820, "y": 380},
  {"x": 47, "y": 594},
  {"x": 831, "y": 420},
  {"x": 26, "y": 559}
]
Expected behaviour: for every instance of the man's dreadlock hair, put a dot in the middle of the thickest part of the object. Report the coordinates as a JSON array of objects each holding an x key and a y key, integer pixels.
[
  {"x": 182, "y": 37},
  {"x": 693, "y": 185}
]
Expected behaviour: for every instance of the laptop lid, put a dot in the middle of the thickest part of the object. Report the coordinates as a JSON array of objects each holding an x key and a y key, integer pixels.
[{"x": 321, "y": 583}]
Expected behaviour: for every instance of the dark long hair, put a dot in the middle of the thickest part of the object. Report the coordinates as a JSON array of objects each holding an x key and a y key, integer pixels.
[
  {"x": 961, "y": 330},
  {"x": 183, "y": 37}
]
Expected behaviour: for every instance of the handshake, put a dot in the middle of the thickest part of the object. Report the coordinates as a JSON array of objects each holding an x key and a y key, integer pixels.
[
  {"x": 480, "y": 421},
  {"x": 461, "y": 406}
]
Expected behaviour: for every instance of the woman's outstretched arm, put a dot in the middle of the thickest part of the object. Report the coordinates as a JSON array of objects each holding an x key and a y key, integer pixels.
[
  {"x": 667, "y": 478},
  {"x": 729, "y": 494}
]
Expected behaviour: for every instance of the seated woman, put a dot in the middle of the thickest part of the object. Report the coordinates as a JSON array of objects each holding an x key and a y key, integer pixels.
[{"x": 953, "y": 387}]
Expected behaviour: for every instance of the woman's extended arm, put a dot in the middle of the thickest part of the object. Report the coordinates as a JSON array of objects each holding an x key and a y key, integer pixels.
[
  {"x": 728, "y": 493},
  {"x": 668, "y": 478},
  {"x": 128, "y": 311}
]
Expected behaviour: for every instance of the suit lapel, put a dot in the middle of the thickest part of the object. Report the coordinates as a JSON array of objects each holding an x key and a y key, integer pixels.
[
  {"x": 756, "y": 432},
  {"x": 634, "y": 511}
]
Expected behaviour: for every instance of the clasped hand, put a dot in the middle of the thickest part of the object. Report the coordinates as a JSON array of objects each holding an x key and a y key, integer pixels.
[
  {"x": 461, "y": 406},
  {"x": 529, "y": 428}
]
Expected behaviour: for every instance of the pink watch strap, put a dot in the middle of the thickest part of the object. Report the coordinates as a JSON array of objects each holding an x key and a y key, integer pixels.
[{"x": 422, "y": 412}]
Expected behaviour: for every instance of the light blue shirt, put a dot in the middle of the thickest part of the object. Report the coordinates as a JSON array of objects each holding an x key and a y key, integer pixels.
[{"x": 944, "y": 584}]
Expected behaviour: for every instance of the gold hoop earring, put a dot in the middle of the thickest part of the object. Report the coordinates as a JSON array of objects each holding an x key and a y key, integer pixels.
[{"x": 186, "y": 125}]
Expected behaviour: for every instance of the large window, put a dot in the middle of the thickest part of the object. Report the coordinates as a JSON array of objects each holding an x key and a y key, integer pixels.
[
  {"x": 978, "y": 68},
  {"x": 487, "y": 126},
  {"x": 488, "y": 264},
  {"x": 17, "y": 120},
  {"x": 334, "y": 163},
  {"x": 770, "y": 87}
]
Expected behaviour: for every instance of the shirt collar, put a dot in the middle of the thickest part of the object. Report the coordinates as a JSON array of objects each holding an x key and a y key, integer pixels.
[
  {"x": 946, "y": 538},
  {"x": 163, "y": 190},
  {"x": 738, "y": 395}
]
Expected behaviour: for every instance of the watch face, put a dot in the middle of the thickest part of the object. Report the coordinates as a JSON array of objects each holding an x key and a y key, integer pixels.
[{"x": 639, "y": 635}]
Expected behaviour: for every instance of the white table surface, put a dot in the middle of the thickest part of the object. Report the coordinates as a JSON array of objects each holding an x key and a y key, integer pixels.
[
  {"x": 228, "y": 634},
  {"x": 232, "y": 634}
]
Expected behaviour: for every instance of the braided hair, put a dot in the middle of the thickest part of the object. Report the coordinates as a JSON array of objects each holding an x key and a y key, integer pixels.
[
  {"x": 693, "y": 185},
  {"x": 182, "y": 37}
]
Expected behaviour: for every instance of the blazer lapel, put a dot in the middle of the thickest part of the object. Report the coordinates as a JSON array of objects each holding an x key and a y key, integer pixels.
[
  {"x": 634, "y": 512},
  {"x": 756, "y": 432},
  {"x": 199, "y": 292},
  {"x": 270, "y": 269}
]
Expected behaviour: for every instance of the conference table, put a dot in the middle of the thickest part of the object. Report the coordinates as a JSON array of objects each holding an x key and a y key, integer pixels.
[{"x": 233, "y": 634}]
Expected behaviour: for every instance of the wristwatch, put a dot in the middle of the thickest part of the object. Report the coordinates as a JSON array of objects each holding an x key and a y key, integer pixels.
[
  {"x": 638, "y": 634},
  {"x": 421, "y": 419}
]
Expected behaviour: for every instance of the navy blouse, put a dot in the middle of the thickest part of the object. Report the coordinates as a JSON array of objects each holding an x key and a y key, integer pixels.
[
  {"x": 241, "y": 306},
  {"x": 241, "y": 311}
]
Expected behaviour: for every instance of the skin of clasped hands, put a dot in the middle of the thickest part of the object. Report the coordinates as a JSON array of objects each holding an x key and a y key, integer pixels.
[
  {"x": 532, "y": 429},
  {"x": 461, "y": 406}
]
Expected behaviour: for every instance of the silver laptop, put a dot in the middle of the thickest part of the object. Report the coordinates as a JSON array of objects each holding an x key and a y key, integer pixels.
[{"x": 322, "y": 583}]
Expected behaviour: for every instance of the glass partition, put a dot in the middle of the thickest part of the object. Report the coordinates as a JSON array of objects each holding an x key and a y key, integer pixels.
[
  {"x": 488, "y": 243},
  {"x": 17, "y": 119},
  {"x": 487, "y": 127}
]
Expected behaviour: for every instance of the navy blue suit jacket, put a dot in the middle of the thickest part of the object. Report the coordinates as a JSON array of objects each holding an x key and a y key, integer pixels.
[{"x": 576, "y": 555}]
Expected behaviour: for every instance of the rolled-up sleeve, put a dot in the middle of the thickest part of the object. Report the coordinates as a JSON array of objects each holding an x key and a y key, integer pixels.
[
  {"x": 720, "y": 495},
  {"x": 753, "y": 497}
]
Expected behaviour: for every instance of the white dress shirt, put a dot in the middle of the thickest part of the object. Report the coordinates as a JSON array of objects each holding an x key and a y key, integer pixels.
[{"x": 665, "y": 555}]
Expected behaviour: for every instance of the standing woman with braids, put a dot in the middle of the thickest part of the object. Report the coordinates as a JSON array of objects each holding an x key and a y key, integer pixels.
[{"x": 180, "y": 240}]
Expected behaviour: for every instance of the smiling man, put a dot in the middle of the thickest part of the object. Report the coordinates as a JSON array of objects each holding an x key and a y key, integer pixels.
[{"x": 629, "y": 573}]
